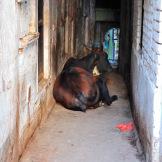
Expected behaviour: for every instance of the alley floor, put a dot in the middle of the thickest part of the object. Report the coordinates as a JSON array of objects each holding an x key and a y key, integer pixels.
[{"x": 69, "y": 136}]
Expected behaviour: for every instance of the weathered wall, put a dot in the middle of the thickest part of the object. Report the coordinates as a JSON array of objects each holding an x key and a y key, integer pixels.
[
  {"x": 125, "y": 40},
  {"x": 74, "y": 26},
  {"x": 146, "y": 75},
  {"x": 8, "y": 78},
  {"x": 24, "y": 101}
]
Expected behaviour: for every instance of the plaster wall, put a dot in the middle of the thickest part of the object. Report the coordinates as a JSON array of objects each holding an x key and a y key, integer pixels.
[
  {"x": 146, "y": 75},
  {"x": 24, "y": 102}
]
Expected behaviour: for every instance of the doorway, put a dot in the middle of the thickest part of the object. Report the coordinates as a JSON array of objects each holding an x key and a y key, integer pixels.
[
  {"x": 111, "y": 46},
  {"x": 107, "y": 29}
]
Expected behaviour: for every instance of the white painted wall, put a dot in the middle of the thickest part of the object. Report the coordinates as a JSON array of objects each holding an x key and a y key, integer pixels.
[
  {"x": 23, "y": 102},
  {"x": 8, "y": 71},
  {"x": 146, "y": 75}
]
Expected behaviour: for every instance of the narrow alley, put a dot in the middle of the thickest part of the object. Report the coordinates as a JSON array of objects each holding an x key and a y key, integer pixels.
[
  {"x": 69, "y": 136},
  {"x": 37, "y": 37}
]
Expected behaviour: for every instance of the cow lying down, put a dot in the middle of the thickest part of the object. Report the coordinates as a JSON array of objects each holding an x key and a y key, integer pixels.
[{"x": 77, "y": 89}]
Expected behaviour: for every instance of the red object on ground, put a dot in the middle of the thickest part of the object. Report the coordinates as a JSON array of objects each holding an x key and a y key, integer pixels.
[{"x": 125, "y": 127}]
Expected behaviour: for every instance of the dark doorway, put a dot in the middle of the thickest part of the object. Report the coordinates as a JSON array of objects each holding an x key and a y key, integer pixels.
[
  {"x": 107, "y": 22},
  {"x": 116, "y": 14},
  {"x": 113, "y": 4},
  {"x": 40, "y": 41}
]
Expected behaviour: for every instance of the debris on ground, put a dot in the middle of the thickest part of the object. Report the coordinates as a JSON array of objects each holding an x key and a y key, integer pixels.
[{"x": 125, "y": 127}]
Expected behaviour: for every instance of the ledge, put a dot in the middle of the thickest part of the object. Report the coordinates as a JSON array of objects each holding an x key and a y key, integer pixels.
[{"x": 27, "y": 40}]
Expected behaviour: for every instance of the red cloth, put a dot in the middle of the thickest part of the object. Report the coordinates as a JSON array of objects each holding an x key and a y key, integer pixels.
[{"x": 125, "y": 127}]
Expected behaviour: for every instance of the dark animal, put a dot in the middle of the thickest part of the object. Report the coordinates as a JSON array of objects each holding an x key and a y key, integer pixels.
[
  {"x": 77, "y": 89},
  {"x": 88, "y": 62},
  {"x": 103, "y": 65}
]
